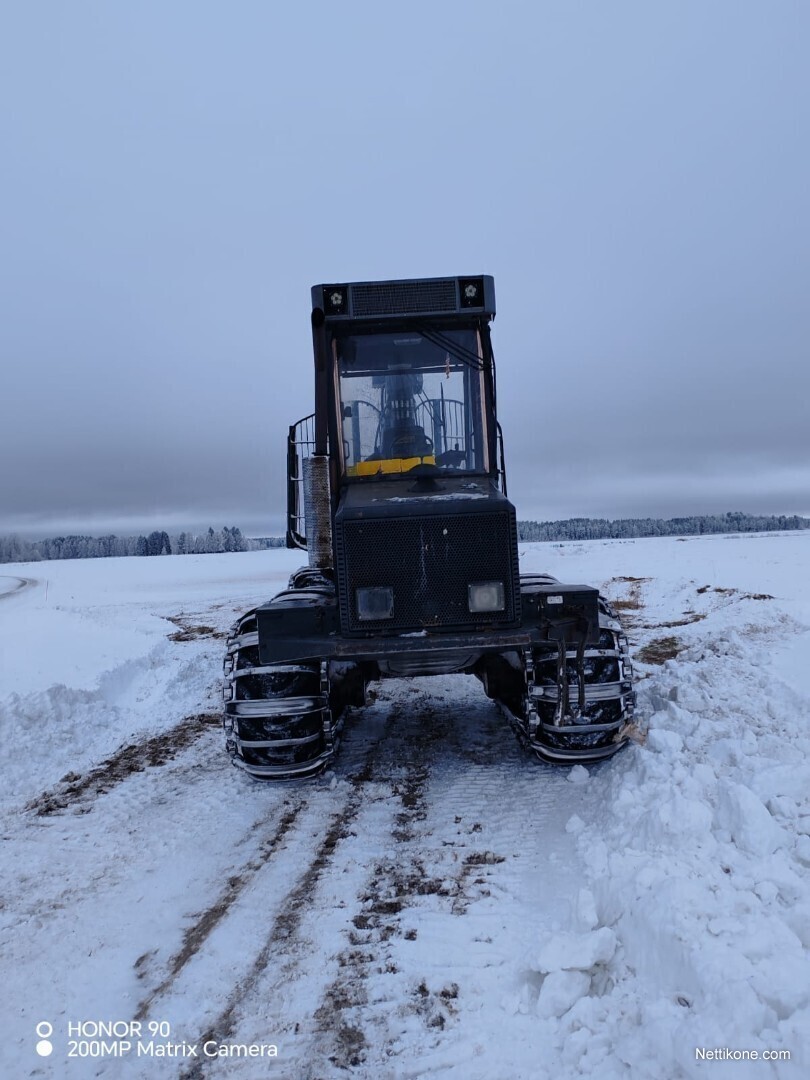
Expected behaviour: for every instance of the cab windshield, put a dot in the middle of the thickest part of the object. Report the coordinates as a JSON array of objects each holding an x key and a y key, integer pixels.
[{"x": 410, "y": 398}]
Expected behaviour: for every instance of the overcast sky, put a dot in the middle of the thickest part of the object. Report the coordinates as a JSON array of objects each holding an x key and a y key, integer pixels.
[{"x": 175, "y": 175}]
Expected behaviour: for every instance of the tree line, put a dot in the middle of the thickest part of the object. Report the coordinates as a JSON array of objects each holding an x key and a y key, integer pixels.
[
  {"x": 214, "y": 541},
  {"x": 629, "y": 528},
  {"x": 14, "y": 549}
]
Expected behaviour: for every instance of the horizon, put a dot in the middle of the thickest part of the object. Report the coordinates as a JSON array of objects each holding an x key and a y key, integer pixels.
[{"x": 200, "y": 529}]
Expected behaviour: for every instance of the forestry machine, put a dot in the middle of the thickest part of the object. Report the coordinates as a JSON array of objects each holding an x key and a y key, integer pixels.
[{"x": 397, "y": 490}]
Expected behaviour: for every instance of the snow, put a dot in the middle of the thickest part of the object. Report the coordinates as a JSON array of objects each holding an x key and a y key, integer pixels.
[
  {"x": 448, "y": 497},
  {"x": 438, "y": 903},
  {"x": 567, "y": 951}
]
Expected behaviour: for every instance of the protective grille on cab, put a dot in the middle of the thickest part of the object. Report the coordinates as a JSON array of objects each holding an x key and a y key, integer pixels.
[
  {"x": 429, "y": 562},
  {"x": 403, "y": 297}
]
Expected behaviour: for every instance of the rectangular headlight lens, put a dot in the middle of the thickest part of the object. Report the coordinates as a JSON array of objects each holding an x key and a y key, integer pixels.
[
  {"x": 375, "y": 603},
  {"x": 486, "y": 596}
]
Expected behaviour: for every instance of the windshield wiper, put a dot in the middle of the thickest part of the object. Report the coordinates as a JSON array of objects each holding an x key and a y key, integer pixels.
[{"x": 459, "y": 352}]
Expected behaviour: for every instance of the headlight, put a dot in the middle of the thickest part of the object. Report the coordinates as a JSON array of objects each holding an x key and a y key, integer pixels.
[
  {"x": 375, "y": 603},
  {"x": 486, "y": 596}
]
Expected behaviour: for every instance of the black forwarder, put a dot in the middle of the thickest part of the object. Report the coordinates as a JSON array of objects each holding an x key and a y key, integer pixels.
[{"x": 397, "y": 489}]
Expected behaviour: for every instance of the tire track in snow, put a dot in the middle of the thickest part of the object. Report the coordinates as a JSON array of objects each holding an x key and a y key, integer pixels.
[
  {"x": 466, "y": 843},
  {"x": 351, "y": 1019},
  {"x": 396, "y": 759},
  {"x": 13, "y": 590},
  {"x": 197, "y": 934},
  {"x": 340, "y": 1033},
  {"x": 335, "y": 973},
  {"x": 132, "y": 758},
  {"x": 281, "y": 940},
  {"x": 284, "y": 928}
]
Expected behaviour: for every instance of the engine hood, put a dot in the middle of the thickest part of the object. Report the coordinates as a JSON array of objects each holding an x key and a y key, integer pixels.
[{"x": 423, "y": 495}]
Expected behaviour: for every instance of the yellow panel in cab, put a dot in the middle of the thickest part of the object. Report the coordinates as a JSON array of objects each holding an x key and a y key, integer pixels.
[{"x": 388, "y": 465}]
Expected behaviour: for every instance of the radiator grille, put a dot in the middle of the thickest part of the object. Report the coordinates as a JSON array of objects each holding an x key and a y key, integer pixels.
[
  {"x": 429, "y": 561},
  {"x": 403, "y": 297}
]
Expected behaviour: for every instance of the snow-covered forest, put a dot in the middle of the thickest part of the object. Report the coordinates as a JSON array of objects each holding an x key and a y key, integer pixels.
[
  {"x": 210, "y": 542},
  {"x": 625, "y": 528}
]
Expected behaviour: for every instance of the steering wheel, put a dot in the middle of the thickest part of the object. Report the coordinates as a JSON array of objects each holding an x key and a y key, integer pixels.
[{"x": 411, "y": 444}]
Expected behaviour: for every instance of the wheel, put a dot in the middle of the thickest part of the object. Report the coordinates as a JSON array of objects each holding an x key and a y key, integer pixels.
[
  {"x": 583, "y": 718},
  {"x": 277, "y": 718}
]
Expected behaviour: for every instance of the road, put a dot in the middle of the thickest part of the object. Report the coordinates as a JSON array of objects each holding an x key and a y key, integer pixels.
[{"x": 10, "y": 586}]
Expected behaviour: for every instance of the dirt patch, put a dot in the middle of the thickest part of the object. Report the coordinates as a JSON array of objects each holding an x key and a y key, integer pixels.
[
  {"x": 133, "y": 758},
  {"x": 659, "y": 650},
  {"x": 735, "y": 592},
  {"x": 629, "y": 604},
  {"x": 189, "y": 631},
  {"x": 347, "y": 992},
  {"x": 632, "y": 601},
  {"x": 483, "y": 858},
  {"x": 693, "y": 617},
  {"x": 435, "y": 1008},
  {"x": 411, "y": 792},
  {"x": 473, "y": 863}
]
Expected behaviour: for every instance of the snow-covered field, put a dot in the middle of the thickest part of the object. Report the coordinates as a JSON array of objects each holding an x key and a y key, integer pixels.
[{"x": 437, "y": 905}]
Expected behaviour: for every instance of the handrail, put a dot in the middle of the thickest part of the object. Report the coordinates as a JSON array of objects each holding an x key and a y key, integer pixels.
[{"x": 300, "y": 444}]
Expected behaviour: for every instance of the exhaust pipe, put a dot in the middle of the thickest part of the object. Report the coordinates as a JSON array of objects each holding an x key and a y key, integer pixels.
[{"x": 318, "y": 511}]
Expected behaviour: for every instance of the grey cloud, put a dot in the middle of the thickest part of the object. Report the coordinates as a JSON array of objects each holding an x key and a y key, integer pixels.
[{"x": 176, "y": 178}]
